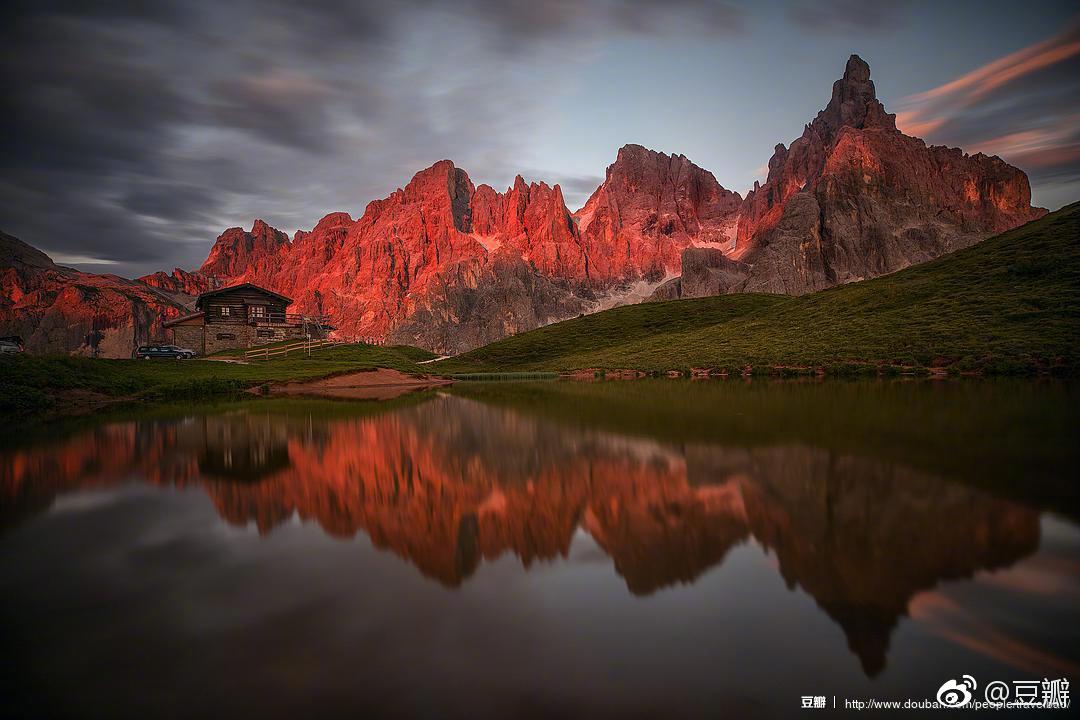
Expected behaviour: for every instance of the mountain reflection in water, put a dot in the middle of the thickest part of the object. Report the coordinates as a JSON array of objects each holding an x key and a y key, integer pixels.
[{"x": 447, "y": 482}]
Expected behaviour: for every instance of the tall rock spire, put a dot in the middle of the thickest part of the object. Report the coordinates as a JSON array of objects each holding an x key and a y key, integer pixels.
[
  {"x": 854, "y": 103},
  {"x": 854, "y": 198}
]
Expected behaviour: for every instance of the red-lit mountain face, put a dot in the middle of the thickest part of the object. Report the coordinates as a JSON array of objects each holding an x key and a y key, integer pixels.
[
  {"x": 853, "y": 198},
  {"x": 450, "y": 266},
  {"x": 57, "y": 309}
]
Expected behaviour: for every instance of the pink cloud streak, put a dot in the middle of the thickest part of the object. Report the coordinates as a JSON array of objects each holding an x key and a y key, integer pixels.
[
  {"x": 1002, "y": 71},
  {"x": 1052, "y": 142}
]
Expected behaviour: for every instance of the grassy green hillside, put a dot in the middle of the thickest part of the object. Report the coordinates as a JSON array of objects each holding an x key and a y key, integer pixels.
[
  {"x": 1010, "y": 304},
  {"x": 36, "y": 385}
]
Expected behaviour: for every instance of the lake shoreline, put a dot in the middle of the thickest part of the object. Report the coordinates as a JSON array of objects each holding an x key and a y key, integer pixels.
[
  {"x": 45, "y": 387},
  {"x": 76, "y": 394}
]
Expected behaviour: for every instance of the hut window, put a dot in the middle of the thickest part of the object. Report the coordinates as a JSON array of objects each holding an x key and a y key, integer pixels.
[
  {"x": 226, "y": 336},
  {"x": 258, "y": 311},
  {"x": 265, "y": 333},
  {"x": 225, "y": 311}
]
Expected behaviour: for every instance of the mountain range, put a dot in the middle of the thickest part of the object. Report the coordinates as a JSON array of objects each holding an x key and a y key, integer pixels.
[{"x": 449, "y": 266}]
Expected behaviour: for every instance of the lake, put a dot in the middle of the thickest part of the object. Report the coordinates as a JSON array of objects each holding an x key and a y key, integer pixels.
[{"x": 628, "y": 549}]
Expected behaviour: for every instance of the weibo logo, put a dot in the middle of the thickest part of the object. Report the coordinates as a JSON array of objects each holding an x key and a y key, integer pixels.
[{"x": 956, "y": 693}]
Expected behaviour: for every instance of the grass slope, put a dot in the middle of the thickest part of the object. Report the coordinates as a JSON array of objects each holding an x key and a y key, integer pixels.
[
  {"x": 33, "y": 385},
  {"x": 1009, "y": 304}
]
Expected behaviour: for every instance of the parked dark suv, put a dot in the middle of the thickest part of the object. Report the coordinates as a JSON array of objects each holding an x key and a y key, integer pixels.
[
  {"x": 11, "y": 344},
  {"x": 172, "y": 352}
]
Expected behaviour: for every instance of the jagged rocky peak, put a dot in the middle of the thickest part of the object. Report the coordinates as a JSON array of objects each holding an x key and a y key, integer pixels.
[
  {"x": 854, "y": 102},
  {"x": 636, "y": 161},
  {"x": 776, "y": 163},
  {"x": 443, "y": 189},
  {"x": 180, "y": 281},
  {"x": 632, "y": 152},
  {"x": 649, "y": 192},
  {"x": 533, "y": 209},
  {"x": 441, "y": 178},
  {"x": 260, "y": 228},
  {"x": 236, "y": 249},
  {"x": 14, "y": 253},
  {"x": 853, "y": 198},
  {"x": 261, "y": 237}
]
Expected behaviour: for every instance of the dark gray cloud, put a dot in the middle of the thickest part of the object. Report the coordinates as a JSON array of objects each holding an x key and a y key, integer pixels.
[
  {"x": 168, "y": 200},
  {"x": 848, "y": 15},
  {"x": 518, "y": 21},
  {"x": 282, "y": 106},
  {"x": 135, "y": 132}
]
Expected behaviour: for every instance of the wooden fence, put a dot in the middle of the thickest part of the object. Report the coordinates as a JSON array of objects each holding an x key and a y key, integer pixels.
[{"x": 302, "y": 347}]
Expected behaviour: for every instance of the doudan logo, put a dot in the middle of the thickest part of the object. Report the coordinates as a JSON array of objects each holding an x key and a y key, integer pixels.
[{"x": 956, "y": 693}]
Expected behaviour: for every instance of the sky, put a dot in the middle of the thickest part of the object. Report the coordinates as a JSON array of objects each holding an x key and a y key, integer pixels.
[{"x": 133, "y": 133}]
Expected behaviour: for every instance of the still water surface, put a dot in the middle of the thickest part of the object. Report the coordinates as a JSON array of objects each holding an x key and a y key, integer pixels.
[{"x": 634, "y": 549}]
